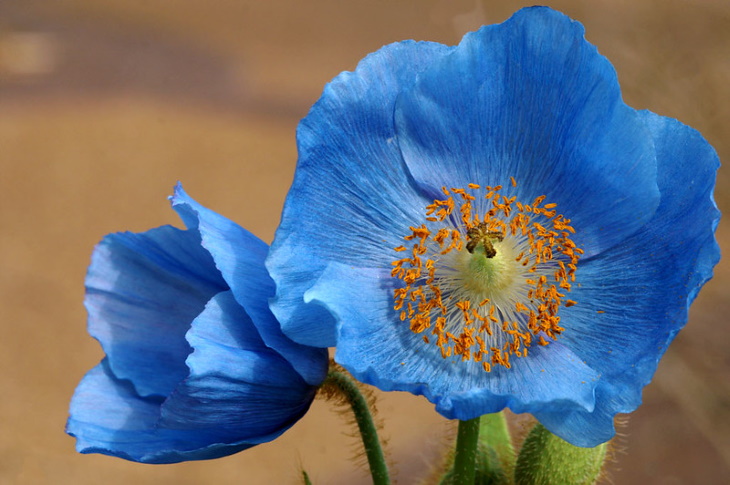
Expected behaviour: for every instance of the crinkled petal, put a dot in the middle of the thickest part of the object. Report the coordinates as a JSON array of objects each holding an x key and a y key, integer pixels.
[
  {"x": 688, "y": 203},
  {"x": 379, "y": 349},
  {"x": 531, "y": 99},
  {"x": 142, "y": 292},
  {"x": 634, "y": 298},
  {"x": 350, "y": 164},
  {"x": 239, "y": 255},
  {"x": 238, "y": 388},
  {"x": 107, "y": 416}
]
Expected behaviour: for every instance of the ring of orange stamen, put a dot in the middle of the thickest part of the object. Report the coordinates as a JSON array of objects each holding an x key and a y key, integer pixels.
[{"x": 486, "y": 315}]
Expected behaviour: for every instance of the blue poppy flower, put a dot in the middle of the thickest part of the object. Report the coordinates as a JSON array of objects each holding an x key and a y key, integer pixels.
[
  {"x": 490, "y": 226},
  {"x": 196, "y": 365}
]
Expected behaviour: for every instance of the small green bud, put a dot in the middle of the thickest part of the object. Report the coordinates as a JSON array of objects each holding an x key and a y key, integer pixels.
[{"x": 546, "y": 459}]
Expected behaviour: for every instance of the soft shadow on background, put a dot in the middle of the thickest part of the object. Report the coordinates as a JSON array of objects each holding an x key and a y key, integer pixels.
[{"x": 105, "y": 105}]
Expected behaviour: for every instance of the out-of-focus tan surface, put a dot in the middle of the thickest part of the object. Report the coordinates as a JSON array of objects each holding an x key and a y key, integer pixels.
[{"x": 105, "y": 105}]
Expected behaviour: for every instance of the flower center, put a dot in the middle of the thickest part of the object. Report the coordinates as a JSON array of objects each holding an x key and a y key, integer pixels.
[{"x": 485, "y": 287}]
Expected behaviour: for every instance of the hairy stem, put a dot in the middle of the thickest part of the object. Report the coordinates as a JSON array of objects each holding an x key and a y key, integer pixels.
[
  {"x": 466, "y": 451},
  {"x": 348, "y": 389}
]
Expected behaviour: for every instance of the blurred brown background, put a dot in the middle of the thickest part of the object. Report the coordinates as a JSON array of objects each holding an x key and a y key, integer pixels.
[{"x": 105, "y": 105}]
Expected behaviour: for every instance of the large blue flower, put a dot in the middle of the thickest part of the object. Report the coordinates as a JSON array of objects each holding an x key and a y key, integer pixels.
[
  {"x": 196, "y": 365},
  {"x": 489, "y": 225}
]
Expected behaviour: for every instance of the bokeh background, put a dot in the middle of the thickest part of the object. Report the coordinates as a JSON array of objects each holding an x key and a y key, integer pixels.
[{"x": 105, "y": 105}]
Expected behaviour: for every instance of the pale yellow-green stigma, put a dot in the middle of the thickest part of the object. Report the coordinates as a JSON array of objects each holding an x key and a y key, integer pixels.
[{"x": 484, "y": 287}]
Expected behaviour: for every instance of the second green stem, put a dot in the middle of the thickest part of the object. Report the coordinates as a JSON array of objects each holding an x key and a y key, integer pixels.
[{"x": 467, "y": 439}]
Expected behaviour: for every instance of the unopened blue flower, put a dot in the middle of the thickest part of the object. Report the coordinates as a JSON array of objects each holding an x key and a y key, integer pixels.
[
  {"x": 196, "y": 365},
  {"x": 489, "y": 225}
]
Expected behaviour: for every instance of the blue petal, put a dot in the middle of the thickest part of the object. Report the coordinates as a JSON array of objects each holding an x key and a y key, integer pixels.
[
  {"x": 531, "y": 99},
  {"x": 350, "y": 164},
  {"x": 687, "y": 170},
  {"x": 238, "y": 388},
  {"x": 239, "y": 255},
  {"x": 589, "y": 429},
  {"x": 108, "y": 417},
  {"x": 379, "y": 349},
  {"x": 644, "y": 286},
  {"x": 142, "y": 293}
]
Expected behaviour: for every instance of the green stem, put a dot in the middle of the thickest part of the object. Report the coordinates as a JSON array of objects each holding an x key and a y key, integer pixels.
[
  {"x": 466, "y": 451},
  {"x": 365, "y": 423}
]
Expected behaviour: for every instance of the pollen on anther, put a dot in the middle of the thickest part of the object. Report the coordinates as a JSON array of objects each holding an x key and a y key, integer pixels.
[{"x": 477, "y": 326}]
